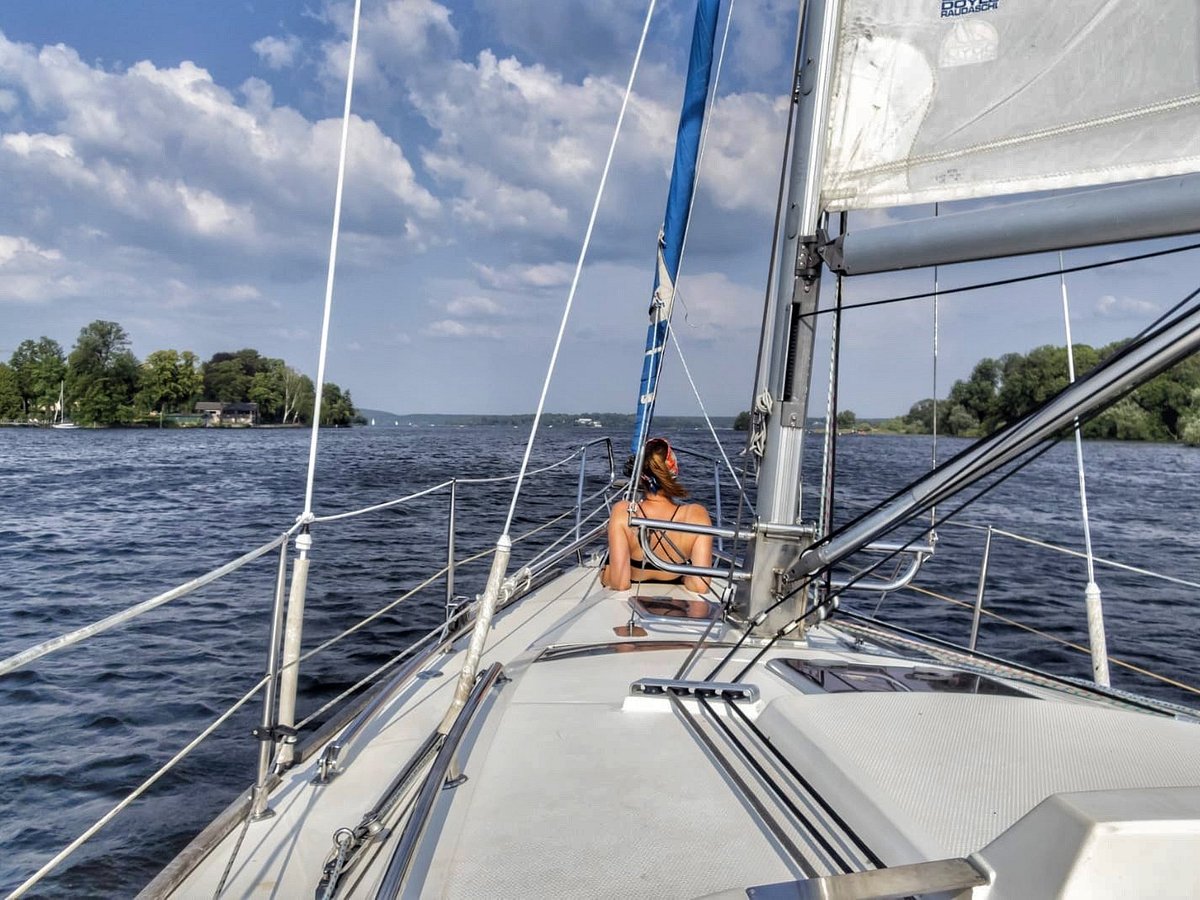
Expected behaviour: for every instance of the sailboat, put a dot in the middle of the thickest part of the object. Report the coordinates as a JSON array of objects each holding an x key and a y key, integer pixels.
[
  {"x": 556, "y": 738},
  {"x": 61, "y": 422}
]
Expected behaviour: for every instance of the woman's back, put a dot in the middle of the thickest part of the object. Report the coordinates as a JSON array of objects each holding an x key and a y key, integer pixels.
[{"x": 660, "y": 489}]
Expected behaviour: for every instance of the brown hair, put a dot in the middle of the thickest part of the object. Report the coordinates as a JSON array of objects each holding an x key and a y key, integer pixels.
[{"x": 657, "y": 477}]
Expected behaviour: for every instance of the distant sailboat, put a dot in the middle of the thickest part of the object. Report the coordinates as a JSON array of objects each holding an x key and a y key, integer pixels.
[{"x": 61, "y": 421}]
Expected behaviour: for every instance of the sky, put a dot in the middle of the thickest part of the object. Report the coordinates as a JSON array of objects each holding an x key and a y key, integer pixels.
[{"x": 171, "y": 166}]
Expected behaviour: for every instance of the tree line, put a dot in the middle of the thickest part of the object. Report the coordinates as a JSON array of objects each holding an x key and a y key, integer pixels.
[
  {"x": 105, "y": 384},
  {"x": 999, "y": 391}
]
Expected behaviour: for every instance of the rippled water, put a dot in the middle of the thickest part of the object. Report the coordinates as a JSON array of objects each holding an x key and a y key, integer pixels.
[{"x": 94, "y": 521}]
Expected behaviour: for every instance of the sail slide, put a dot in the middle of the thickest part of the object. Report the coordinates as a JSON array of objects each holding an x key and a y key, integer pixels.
[
  {"x": 679, "y": 201},
  {"x": 953, "y": 99}
]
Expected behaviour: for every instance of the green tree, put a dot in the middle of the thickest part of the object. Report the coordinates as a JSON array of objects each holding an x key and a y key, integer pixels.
[
  {"x": 102, "y": 374},
  {"x": 977, "y": 395},
  {"x": 39, "y": 368},
  {"x": 336, "y": 406},
  {"x": 920, "y": 416},
  {"x": 306, "y": 395},
  {"x": 266, "y": 389},
  {"x": 169, "y": 380},
  {"x": 228, "y": 377},
  {"x": 959, "y": 421},
  {"x": 742, "y": 421},
  {"x": 847, "y": 420},
  {"x": 11, "y": 405}
]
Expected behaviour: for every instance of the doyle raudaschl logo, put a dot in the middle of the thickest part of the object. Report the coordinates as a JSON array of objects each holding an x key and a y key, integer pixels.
[{"x": 951, "y": 8}]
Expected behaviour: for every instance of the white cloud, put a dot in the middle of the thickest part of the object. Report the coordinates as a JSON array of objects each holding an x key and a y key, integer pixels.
[
  {"x": 15, "y": 249},
  {"x": 277, "y": 53},
  {"x": 1109, "y": 305},
  {"x": 27, "y": 145},
  {"x": 166, "y": 160},
  {"x": 520, "y": 277},
  {"x": 474, "y": 306},
  {"x": 452, "y": 328}
]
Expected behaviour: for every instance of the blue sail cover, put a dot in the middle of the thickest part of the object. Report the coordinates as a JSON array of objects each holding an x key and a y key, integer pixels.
[{"x": 679, "y": 198}]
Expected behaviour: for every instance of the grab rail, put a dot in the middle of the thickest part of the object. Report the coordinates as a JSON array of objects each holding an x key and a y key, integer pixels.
[{"x": 418, "y": 820}]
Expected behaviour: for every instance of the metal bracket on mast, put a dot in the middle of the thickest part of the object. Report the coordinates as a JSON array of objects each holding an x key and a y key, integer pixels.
[{"x": 787, "y": 374}]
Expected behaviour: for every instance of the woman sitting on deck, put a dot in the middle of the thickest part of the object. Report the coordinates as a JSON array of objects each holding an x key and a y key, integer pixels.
[{"x": 660, "y": 489}]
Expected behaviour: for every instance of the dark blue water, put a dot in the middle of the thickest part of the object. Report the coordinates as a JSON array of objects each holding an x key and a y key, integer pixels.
[{"x": 94, "y": 521}]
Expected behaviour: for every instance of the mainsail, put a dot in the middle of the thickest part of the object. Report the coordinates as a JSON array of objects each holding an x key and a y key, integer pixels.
[
  {"x": 679, "y": 200},
  {"x": 952, "y": 99}
]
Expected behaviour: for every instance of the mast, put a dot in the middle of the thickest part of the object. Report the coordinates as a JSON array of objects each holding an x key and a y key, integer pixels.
[{"x": 789, "y": 339}]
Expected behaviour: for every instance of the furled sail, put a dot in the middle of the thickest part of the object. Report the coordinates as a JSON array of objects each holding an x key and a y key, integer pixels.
[
  {"x": 679, "y": 201},
  {"x": 951, "y": 99}
]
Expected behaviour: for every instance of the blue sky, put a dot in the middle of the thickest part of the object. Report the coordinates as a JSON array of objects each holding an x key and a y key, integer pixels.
[{"x": 171, "y": 166}]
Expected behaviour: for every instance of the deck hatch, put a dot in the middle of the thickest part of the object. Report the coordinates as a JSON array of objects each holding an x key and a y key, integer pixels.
[
  {"x": 674, "y": 609},
  {"x": 840, "y": 678}
]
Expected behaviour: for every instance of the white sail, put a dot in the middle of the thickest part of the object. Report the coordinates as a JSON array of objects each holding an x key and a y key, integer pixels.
[{"x": 953, "y": 99}]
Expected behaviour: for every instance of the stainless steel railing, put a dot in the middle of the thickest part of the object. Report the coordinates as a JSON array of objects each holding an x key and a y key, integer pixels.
[{"x": 272, "y": 736}]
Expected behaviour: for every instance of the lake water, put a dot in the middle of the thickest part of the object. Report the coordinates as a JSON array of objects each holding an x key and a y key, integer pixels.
[{"x": 92, "y": 522}]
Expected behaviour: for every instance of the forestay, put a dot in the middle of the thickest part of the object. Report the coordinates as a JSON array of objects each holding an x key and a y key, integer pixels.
[{"x": 952, "y": 99}]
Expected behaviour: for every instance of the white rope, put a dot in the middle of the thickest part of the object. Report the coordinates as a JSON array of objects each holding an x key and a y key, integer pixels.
[
  {"x": 1091, "y": 594},
  {"x": 587, "y": 240},
  {"x": 381, "y": 506},
  {"x": 333, "y": 245},
  {"x": 1024, "y": 539},
  {"x": 1087, "y": 531}
]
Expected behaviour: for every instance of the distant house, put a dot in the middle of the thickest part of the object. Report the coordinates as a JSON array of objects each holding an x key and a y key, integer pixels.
[{"x": 216, "y": 413}]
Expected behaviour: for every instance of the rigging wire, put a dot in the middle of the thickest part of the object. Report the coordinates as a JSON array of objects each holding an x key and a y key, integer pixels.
[
  {"x": 1018, "y": 279},
  {"x": 825, "y": 513},
  {"x": 934, "y": 451},
  {"x": 961, "y": 481},
  {"x": 711, "y": 103},
  {"x": 830, "y": 603},
  {"x": 587, "y": 240},
  {"x": 708, "y": 421},
  {"x": 331, "y": 268}
]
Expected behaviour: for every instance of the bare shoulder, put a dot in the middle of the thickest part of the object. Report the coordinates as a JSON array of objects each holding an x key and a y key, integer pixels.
[{"x": 696, "y": 514}]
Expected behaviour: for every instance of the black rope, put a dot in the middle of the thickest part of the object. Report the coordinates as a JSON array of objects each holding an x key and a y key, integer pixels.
[
  {"x": 826, "y": 845},
  {"x": 966, "y": 477},
  {"x": 1001, "y": 282},
  {"x": 804, "y": 782}
]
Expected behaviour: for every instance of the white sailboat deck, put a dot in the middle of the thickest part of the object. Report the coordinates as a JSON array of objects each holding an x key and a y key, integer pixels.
[{"x": 576, "y": 787}]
